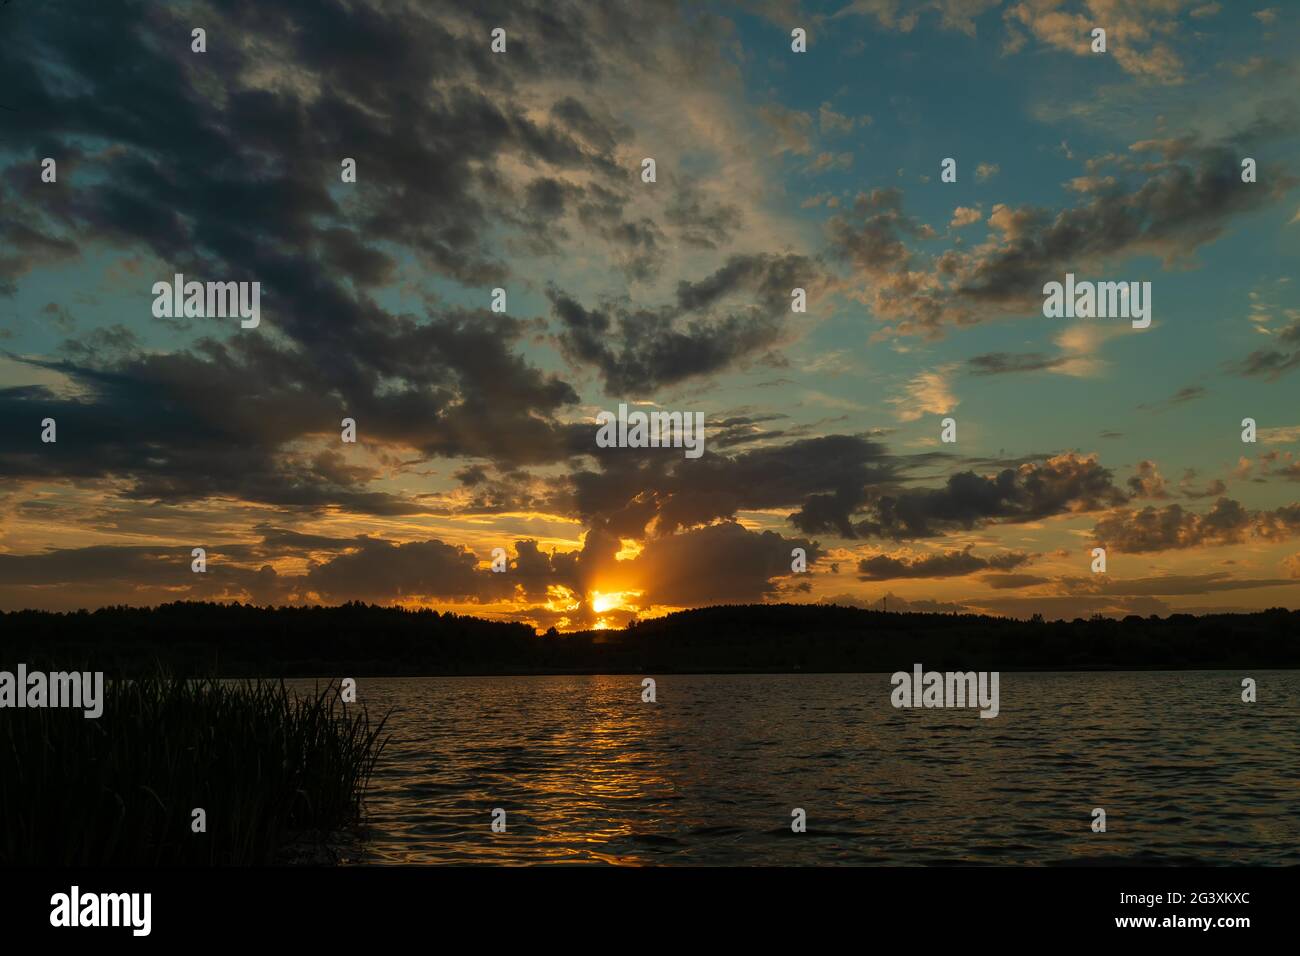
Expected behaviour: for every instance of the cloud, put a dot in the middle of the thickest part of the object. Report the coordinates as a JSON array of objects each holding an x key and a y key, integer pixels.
[
  {"x": 847, "y": 486},
  {"x": 72, "y": 578},
  {"x": 884, "y": 567},
  {"x": 1175, "y": 528},
  {"x": 793, "y": 128},
  {"x": 1004, "y": 582},
  {"x": 903, "y": 15},
  {"x": 488, "y": 154},
  {"x": 1091, "y": 184},
  {"x": 1280, "y": 435},
  {"x": 832, "y": 123},
  {"x": 1272, "y": 363},
  {"x": 493, "y": 156},
  {"x": 25, "y": 248},
  {"x": 1166, "y": 584},
  {"x": 736, "y": 313},
  {"x": 1064, "y": 484},
  {"x": 827, "y": 476},
  {"x": 1172, "y": 196},
  {"x": 1183, "y": 395},
  {"x": 716, "y": 564},
  {"x": 1212, "y": 489},
  {"x": 361, "y": 568},
  {"x": 1147, "y": 482},
  {"x": 928, "y": 393},
  {"x": 827, "y": 161},
  {"x": 1137, "y": 38},
  {"x": 1005, "y": 363},
  {"x": 1291, "y": 564},
  {"x": 230, "y": 420},
  {"x": 719, "y": 564},
  {"x": 699, "y": 222},
  {"x": 383, "y": 571}
]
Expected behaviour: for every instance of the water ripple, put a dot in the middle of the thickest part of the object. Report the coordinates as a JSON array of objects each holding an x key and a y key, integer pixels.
[{"x": 587, "y": 773}]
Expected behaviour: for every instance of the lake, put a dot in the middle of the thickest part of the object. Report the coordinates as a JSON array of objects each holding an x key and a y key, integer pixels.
[{"x": 709, "y": 774}]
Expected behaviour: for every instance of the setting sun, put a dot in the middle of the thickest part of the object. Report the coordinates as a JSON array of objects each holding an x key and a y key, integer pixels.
[{"x": 600, "y": 603}]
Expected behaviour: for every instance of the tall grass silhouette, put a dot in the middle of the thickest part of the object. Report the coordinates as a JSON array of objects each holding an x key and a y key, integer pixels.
[{"x": 273, "y": 770}]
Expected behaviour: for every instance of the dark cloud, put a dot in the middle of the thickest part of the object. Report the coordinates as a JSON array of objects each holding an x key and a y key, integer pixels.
[
  {"x": 1004, "y": 582},
  {"x": 1152, "y": 529},
  {"x": 1147, "y": 482},
  {"x": 223, "y": 422},
  {"x": 1167, "y": 584},
  {"x": 24, "y": 247},
  {"x": 349, "y": 569},
  {"x": 699, "y": 222},
  {"x": 1183, "y": 395},
  {"x": 735, "y": 314},
  {"x": 718, "y": 564},
  {"x": 226, "y": 165},
  {"x": 71, "y": 578},
  {"x": 287, "y": 541},
  {"x": 1064, "y": 484},
  {"x": 828, "y": 477},
  {"x": 1004, "y": 363},
  {"x": 383, "y": 571},
  {"x": 1212, "y": 489},
  {"x": 1173, "y": 527},
  {"x": 1272, "y": 363},
  {"x": 846, "y": 486},
  {"x": 884, "y": 567}
]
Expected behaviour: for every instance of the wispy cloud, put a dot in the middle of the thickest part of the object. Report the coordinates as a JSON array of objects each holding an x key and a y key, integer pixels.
[{"x": 927, "y": 393}]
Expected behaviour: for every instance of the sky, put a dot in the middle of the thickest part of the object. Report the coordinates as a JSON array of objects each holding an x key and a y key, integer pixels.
[{"x": 774, "y": 170}]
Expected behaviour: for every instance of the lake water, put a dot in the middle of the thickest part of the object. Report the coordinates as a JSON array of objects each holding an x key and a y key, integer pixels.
[{"x": 709, "y": 774}]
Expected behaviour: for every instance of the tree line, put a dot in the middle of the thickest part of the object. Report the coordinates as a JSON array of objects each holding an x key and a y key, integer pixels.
[{"x": 206, "y": 639}]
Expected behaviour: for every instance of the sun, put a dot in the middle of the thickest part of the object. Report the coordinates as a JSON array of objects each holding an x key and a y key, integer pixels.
[
  {"x": 604, "y": 601},
  {"x": 600, "y": 603}
]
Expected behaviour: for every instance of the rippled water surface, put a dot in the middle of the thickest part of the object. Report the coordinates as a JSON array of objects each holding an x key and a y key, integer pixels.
[{"x": 709, "y": 774}]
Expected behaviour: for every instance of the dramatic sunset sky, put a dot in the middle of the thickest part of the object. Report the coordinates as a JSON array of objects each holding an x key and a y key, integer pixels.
[{"x": 775, "y": 170}]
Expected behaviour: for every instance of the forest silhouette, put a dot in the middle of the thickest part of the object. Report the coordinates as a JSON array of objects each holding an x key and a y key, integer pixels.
[{"x": 208, "y": 639}]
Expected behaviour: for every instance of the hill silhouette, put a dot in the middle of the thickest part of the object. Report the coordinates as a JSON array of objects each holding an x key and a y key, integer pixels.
[{"x": 202, "y": 639}]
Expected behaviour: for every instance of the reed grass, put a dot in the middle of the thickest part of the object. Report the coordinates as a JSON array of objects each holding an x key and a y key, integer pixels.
[{"x": 271, "y": 769}]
